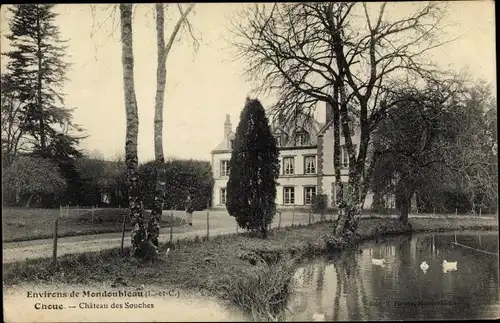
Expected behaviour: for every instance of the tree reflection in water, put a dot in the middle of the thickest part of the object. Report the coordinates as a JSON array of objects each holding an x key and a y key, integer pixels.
[{"x": 357, "y": 290}]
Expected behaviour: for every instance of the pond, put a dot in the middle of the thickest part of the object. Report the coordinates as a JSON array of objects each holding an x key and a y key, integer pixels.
[{"x": 351, "y": 286}]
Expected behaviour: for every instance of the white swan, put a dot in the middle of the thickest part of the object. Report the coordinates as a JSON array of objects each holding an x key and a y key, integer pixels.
[
  {"x": 449, "y": 266},
  {"x": 317, "y": 317},
  {"x": 378, "y": 262},
  {"x": 424, "y": 266}
]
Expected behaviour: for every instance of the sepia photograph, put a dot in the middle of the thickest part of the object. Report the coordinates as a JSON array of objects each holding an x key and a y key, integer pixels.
[{"x": 249, "y": 162}]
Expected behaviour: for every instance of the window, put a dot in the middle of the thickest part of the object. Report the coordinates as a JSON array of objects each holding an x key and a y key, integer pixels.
[
  {"x": 301, "y": 139},
  {"x": 288, "y": 165},
  {"x": 309, "y": 194},
  {"x": 310, "y": 165},
  {"x": 223, "y": 196},
  {"x": 224, "y": 168},
  {"x": 278, "y": 141},
  {"x": 289, "y": 195},
  {"x": 231, "y": 144},
  {"x": 345, "y": 157}
]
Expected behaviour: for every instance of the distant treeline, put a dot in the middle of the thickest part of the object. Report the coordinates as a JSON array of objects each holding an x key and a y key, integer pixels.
[{"x": 37, "y": 182}]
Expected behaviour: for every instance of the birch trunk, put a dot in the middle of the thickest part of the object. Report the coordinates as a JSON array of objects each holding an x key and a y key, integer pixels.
[
  {"x": 161, "y": 80},
  {"x": 156, "y": 211},
  {"x": 161, "y": 72},
  {"x": 161, "y": 75},
  {"x": 136, "y": 216}
]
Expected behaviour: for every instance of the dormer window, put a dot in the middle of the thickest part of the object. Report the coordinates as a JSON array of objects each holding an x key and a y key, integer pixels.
[
  {"x": 301, "y": 139},
  {"x": 278, "y": 141},
  {"x": 231, "y": 144}
]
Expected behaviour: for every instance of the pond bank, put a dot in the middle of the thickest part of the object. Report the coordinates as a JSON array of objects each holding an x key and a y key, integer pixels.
[{"x": 223, "y": 266}]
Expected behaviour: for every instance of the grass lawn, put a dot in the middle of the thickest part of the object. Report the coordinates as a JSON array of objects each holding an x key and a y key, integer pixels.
[{"x": 21, "y": 224}]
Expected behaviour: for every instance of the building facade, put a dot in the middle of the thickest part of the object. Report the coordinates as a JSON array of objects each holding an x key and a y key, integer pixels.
[{"x": 306, "y": 162}]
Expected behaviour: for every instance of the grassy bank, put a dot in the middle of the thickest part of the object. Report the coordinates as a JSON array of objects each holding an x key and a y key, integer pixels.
[
  {"x": 21, "y": 224},
  {"x": 241, "y": 268}
]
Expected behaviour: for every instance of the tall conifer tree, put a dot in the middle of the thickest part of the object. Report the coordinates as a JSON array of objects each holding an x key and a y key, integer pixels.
[
  {"x": 253, "y": 170},
  {"x": 37, "y": 70}
]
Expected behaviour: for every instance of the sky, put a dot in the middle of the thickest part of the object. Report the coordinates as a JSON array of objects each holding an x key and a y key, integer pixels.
[{"x": 204, "y": 85}]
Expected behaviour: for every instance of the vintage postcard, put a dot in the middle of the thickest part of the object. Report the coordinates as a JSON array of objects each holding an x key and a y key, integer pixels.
[{"x": 184, "y": 162}]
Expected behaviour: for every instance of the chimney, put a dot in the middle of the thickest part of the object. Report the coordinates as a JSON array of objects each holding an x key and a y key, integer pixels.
[
  {"x": 227, "y": 126},
  {"x": 328, "y": 112}
]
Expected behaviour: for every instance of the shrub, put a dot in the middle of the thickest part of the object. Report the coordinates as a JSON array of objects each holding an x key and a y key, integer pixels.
[
  {"x": 184, "y": 177},
  {"x": 320, "y": 204}
]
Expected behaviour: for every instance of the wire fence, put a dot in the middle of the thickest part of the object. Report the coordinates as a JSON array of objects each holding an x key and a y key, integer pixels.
[{"x": 211, "y": 222}]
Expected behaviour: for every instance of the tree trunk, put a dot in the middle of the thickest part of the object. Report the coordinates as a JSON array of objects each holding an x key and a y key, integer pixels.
[
  {"x": 39, "y": 82},
  {"x": 404, "y": 209},
  {"x": 157, "y": 209},
  {"x": 350, "y": 207},
  {"x": 161, "y": 72},
  {"x": 404, "y": 196},
  {"x": 336, "y": 144},
  {"x": 136, "y": 216}
]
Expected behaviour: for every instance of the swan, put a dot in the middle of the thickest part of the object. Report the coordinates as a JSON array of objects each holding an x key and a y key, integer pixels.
[
  {"x": 378, "y": 262},
  {"x": 449, "y": 266},
  {"x": 318, "y": 317},
  {"x": 424, "y": 266}
]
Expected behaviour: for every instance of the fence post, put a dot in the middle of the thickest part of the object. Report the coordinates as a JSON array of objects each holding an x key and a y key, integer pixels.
[
  {"x": 93, "y": 214},
  {"x": 123, "y": 229},
  {"x": 293, "y": 215},
  {"x": 208, "y": 221},
  {"x": 456, "y": 211},
  {"x": 309, "y": 216},
  {"x": 279, "y": 219},
  {"x": 171, "y": 226},
  {"x": 67, "y": 210},
  {"x": 60, "y": 210},
  {"x": 54, "y": 247},
  {"x": 236, "y": 226},
  {"x": 77, "y": 210},
  {"x": 480, "y": 211}
]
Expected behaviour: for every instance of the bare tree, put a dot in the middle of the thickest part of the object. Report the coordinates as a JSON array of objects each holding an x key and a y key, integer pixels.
[
  {"x": 304, "y": 52},
  {"x": 161, "y": 71},
  {"x": 161, "y": 75},
  {"x": 11, "y": 122},
  {"x": 139, "y": 234},
  {"x": 473, "y": 154}
]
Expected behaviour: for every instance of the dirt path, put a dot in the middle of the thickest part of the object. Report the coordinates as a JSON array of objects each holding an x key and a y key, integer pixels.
[{"x": 220, "y": 223}]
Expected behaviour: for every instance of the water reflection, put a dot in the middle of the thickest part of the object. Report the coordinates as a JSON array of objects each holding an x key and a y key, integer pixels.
[{"x": 350, "y": 287}]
